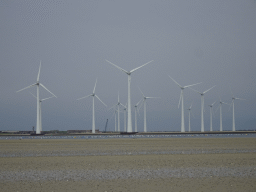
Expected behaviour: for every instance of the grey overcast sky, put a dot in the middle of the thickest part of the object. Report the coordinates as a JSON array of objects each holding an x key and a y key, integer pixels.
[{"x": 208, "y": 41}]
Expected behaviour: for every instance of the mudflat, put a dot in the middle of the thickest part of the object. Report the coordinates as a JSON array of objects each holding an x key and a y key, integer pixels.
[{"x": 151, "y": 164}]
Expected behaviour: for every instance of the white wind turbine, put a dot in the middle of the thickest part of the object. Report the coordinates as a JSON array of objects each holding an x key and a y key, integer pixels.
[
  {"x": 125, "y": 108},
  {"x": 211, "y": 115},
  {"x": 93, "y": 113},
  {"x": 115, "y": 112},
  {"x": 129, "y": 125},
  {"x": 136, "y": 111},
  {"x": 118, "y": 111},
  {"x": 233, "y": 104},
  {"x": 38, "y": 100},
  {"x": 189, "y": 112},
  {"x": 40, "y": 109},
  {"x": 202, "y": 106},
  {"x": 220, "y": 106},
  {"x": 145, "y": 111},
  {"x": 182, "y": 103}
]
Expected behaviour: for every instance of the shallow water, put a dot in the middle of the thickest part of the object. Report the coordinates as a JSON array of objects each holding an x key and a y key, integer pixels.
[{"x": 129, "y": 136}]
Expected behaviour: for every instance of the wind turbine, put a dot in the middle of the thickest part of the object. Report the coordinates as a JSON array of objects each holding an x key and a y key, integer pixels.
[
  {"x": 38, "y": 100},
  {"x": 129, "y": 126},
  {"x": 93, "y": 113},
  {"x": 136, "y": 111},
  {"x": 211, "y": 115},
  {"x": 202, "y": 106},
  {"x": 220, "y": 106},
  {"x": 189, "y": 111},
  {"x": 114, "y": 114},
  {"x": 125, "y": 108},
  {"x": 118, "y": 116},
  {"x": 182, "y": 103},
  {"x": 145, "y": 115},
  {"x": 40, "y": 109},
  {"x": 233, "y": 104}
]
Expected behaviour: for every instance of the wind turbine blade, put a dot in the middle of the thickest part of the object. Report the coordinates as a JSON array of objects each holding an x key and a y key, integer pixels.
[
  {"x": 32, "y": 94},
  {"x": 100, "y": 100},
  {"x": 217, "y": 108},
  {"x": 231, "y": 104},
  {"x": 39, "y": 72},
  {"x": 141, "y": 92},
  {"x": 85, "y": 97},
  {"x": 175, "y": 82},
  {"x": 141, "y": 66},
  {"x": 190, "y": 106},
  {"x": 208, "y": 89},
  {"x": 152, "y": 97},
  {"x": 179, "y": 100},
  {"x": 123, "y": 105},
  {"x": 192, "y": 85},
  {"x": 240, "y": 98},
  {"x": 47, "y": 89},
  {"x": 226, "y": 103},
  {"x": 26, "y": 87},
  {"x": 94, "y": 87},
  {"x": 113, "y": 115},
  {"x": 213, "y": 103},
  {"x": 141, "y": 103},
  {"x": 118, "y": 67},
  {"x": 195, "y": 90},
  {"x": 112, "y": 107},
  {"x": 138, "y": 103},
  {"x": 47, "y": 98}
]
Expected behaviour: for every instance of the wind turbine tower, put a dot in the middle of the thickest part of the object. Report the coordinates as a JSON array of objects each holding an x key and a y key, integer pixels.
[
  {"x": 93, "y": 113},
  {"x": 37, "y": 99},
  {"x": 136, "y": 111},
  {"x": 118, "y": 113},
  {"x": 125, "y": 108},
  {"x": 220, "y": 106},
  {"x": 202, "y": 106},
  {"x": 189, "y": 112},
  {"x": 211, "y": 112},
  {"x": 145, "y": 111},
  {"x": 40, "y": 110},
  {"x": 182, "y": 103},
  {"x": 233, "y": 105},
  {"x": 129, "y": 125}
]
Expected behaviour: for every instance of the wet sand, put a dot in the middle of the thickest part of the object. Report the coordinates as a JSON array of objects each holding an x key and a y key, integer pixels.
[{"x": 173, "y": 164}]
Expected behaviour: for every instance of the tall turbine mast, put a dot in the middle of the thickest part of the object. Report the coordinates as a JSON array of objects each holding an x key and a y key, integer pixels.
[
  {"x": 40, "y": 109},
  {"x": 129, "y": 125},
  {"x": 220, "y": 106},
  {"x": 189, "y": 112},
  {"x": 202, "y": 106},
  {"x": 93, "y": 112},
  {"x": 136, "y": 111},
  {"x": 145, "y": 111},
  {"x": 211, "y": 112},
  {"x": 125, "y": 108},
  {"x": 118, "y": 111},
  {"x": 233, "y": 105},
  {"x": 38, "y": 126},
  {"x": 182, "y": 102}
]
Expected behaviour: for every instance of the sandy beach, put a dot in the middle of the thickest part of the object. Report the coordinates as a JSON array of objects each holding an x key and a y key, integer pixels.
[{"x": 152, "y": 164}]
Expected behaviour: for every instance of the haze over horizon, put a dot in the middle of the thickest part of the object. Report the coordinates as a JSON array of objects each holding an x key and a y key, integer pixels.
[{"x": 212, "y": 42}]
